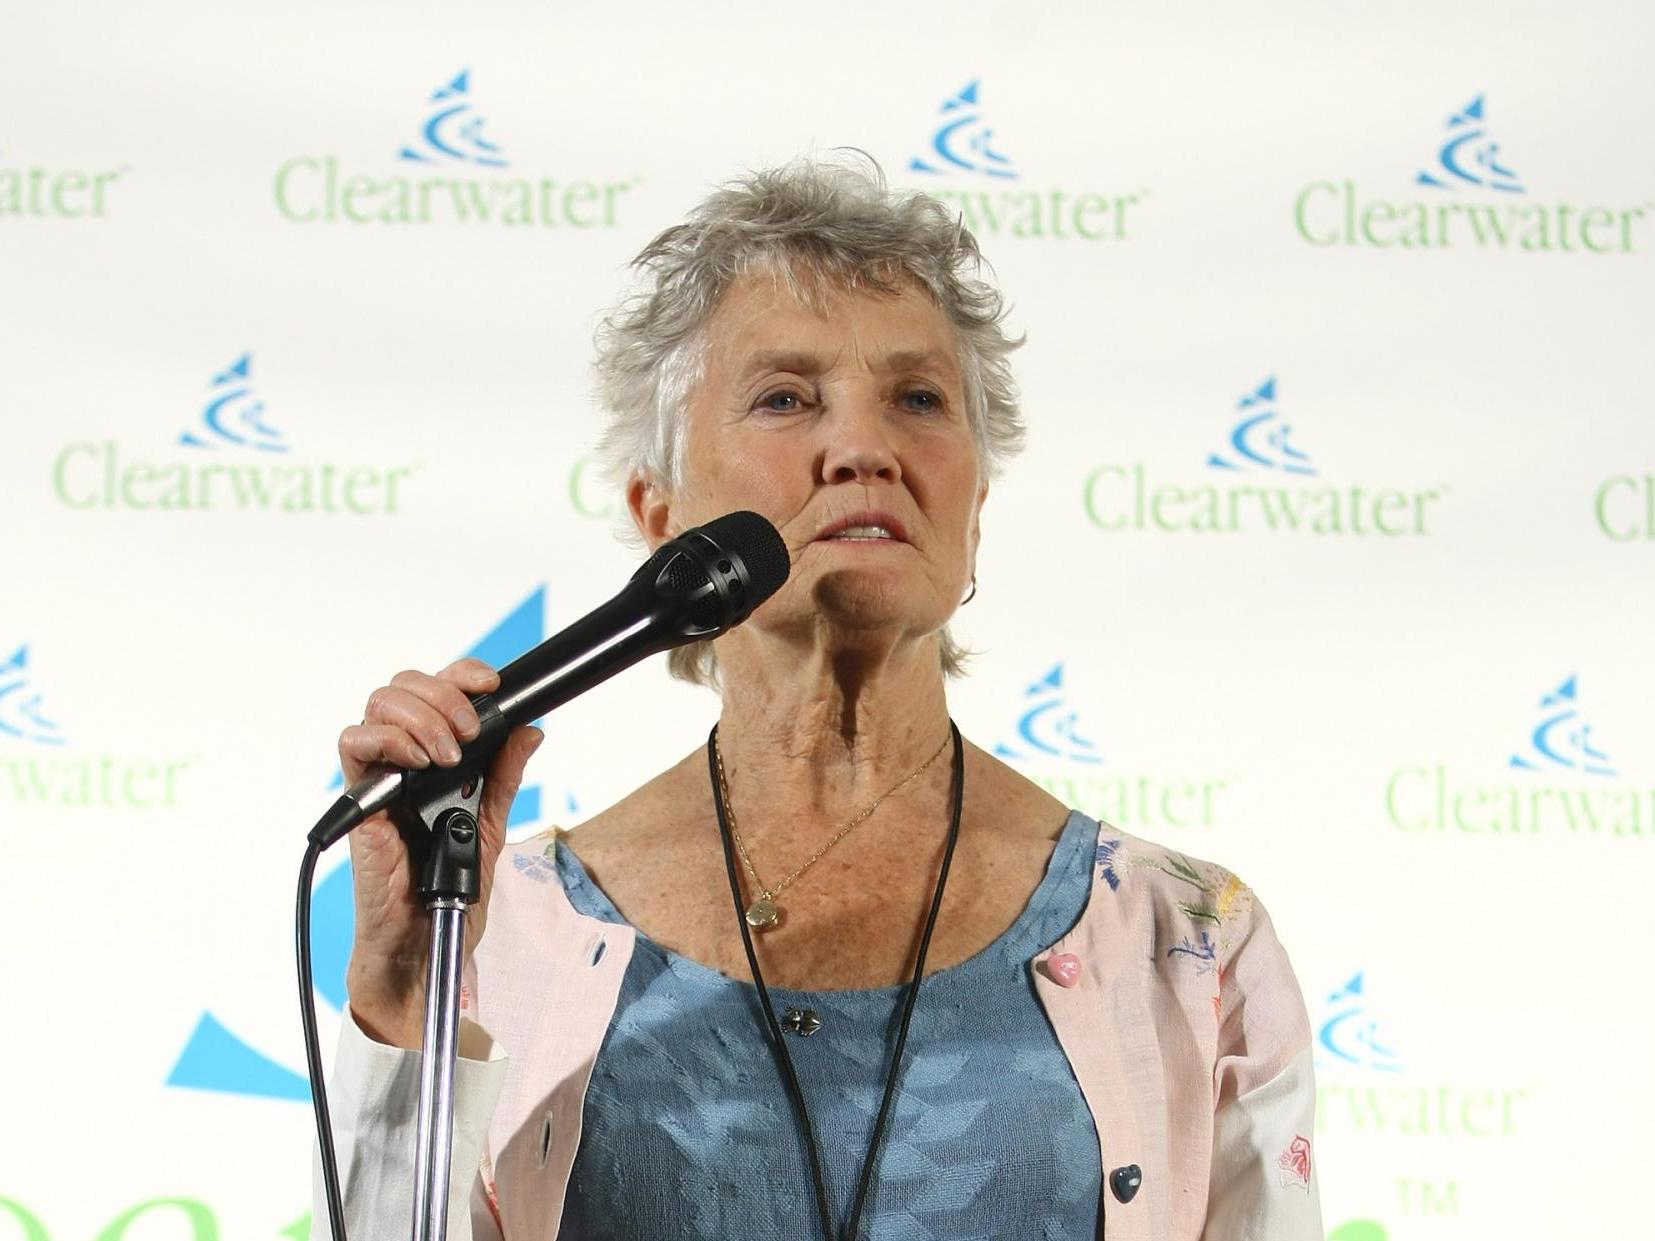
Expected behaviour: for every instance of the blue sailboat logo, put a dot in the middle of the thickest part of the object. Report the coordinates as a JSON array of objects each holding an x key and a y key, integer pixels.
[
  {"x": 1261, "y": 438},
  {"x": 1349, "y": 1034},
  {"x": 454, "y": 130},
  {"x": 1562, "y": 738},
  {"x": 1048, "y": 726},
  {"x": 233, "y": 415},
  {"x": 1469, "y": 156},
  {"x": 21, "y": 715},
  {"x": 963, "y": 141}
]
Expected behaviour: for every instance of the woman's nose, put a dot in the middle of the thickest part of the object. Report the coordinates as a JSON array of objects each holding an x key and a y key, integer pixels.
[{"x": 859, "y": 447}]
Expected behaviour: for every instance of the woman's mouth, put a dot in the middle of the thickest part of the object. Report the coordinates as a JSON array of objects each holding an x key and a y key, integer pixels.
[
  {"x": 863, "y": 533},
  {"x": 864, "y": 527}
]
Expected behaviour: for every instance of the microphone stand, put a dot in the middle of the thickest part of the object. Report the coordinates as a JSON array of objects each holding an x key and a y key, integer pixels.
[{"x": 446, "y": 832}]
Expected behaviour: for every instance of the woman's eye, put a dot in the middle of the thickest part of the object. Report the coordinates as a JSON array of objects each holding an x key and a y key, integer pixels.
[
  {"x": 922, "y": 400},
  {"x": 782, "y": 402}
]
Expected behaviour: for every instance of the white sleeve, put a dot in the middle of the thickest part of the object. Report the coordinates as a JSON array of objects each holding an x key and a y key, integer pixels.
[
  {"x": 373, "y": 1100},
  {"x": 1265, "y": 1182},
  {"x": 1263, "y": 1187}
]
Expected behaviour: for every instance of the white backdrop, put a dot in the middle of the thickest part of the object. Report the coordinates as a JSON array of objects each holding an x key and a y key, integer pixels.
[{"x": 1331, "y": 559}]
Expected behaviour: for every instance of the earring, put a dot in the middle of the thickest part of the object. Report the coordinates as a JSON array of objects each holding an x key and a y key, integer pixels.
[{"x": 973, "y": 593}]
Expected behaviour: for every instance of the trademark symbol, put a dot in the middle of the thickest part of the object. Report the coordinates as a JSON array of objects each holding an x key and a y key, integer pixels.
[{"x": 1420, "y": 1196}]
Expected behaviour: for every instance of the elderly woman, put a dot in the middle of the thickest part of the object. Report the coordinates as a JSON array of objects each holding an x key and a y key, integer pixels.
[{"x": 930, "y": 1001}]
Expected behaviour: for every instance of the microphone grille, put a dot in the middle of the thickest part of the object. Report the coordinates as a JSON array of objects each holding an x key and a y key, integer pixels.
[
  {"x": 760, "y": 546},
  {"x": 684, "y": 575}
]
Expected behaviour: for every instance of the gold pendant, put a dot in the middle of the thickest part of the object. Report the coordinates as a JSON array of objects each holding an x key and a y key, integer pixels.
[{"x": 762, "y": 914}]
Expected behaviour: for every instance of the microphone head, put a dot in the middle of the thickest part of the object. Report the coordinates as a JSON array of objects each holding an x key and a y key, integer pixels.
[
  {"x": 760, "y": 547},
  {"x": 718, "y": 573}
]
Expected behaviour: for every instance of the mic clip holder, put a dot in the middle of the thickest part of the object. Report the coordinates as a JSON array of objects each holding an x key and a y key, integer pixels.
[{"x": 442, "y": 833}]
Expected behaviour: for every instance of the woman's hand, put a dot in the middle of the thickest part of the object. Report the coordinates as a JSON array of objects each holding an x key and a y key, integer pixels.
[{"x": 416, "y": 721}]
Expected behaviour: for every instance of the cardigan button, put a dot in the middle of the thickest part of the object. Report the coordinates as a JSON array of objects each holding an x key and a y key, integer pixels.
[
  {"x": 1063, "y": 968},
  {"x": 1125, "y": 1182}
]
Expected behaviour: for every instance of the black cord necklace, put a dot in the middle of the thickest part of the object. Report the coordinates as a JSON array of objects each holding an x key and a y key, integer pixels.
[{"x": 783, "y": 1060}]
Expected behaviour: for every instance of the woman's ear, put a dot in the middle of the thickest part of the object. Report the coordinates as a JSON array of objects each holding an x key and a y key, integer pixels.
[{"x": 650, "y": 504}]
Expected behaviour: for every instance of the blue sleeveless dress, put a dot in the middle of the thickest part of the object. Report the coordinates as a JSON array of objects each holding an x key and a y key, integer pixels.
[{"x": 688, "y": 1130}]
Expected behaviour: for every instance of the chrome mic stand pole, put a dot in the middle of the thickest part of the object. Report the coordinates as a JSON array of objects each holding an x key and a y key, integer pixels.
[{"x": 448, "y": 884}]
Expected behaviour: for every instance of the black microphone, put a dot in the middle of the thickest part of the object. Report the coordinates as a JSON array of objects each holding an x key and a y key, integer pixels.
[{"x": 705, "y": 581}]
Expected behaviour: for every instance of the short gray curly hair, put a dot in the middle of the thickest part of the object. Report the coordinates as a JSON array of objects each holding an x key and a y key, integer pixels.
[{"x": 815, "y": 226}]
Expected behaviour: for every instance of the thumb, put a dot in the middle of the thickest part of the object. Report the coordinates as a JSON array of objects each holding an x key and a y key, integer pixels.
[{"x": 505, "y": 776}]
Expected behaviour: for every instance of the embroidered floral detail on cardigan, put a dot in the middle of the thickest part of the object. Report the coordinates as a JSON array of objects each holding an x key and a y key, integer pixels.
[
  {"x": 1106, "y": 862},
  {"x": 1204, "y": 952},
  {"x": 1294, "y": 1164},
  {"x": 1222, "y": 895},
  {"x": 1217, "y": 899}
]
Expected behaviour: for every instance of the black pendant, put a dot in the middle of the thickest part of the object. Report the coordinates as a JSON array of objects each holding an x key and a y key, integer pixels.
[
  {"x": 801, "y": 1021},
  {"x": 1125, "y": 1182}
]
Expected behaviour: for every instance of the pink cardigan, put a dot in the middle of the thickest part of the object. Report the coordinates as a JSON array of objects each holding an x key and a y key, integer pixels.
[{"x": 1171, "y": 997}]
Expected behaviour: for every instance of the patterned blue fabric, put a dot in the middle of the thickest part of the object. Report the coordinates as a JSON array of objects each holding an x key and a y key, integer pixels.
[{"x": 689, "y": 1131}]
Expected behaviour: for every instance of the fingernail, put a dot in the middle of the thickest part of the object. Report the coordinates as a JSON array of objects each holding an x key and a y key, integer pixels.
[
  {"x": 538, "y": 738},
  {"x": 421, "y": 758},
  {"x": 448, "y": 750},
  {"x": 465, "y": 722}
]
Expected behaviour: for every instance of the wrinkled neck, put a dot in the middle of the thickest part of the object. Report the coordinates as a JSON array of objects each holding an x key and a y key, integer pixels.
[{"x": 815, "y": 740}]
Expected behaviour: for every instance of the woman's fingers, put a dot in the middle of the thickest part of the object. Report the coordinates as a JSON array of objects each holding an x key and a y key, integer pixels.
[
  {"x": 471, "y": 675},
  {"x": 363, "y": 745},
  {"x": 417, "y": 719},
  {"x": 427, "y": 724},
  {"x": 442, "y": 696}
]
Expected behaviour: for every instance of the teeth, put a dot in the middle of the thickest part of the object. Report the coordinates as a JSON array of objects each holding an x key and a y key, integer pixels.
[{"x": 863, "y": 532}]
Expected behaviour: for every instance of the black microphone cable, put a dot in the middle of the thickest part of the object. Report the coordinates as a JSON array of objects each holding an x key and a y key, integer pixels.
[{"x": 313, "y": 1044}]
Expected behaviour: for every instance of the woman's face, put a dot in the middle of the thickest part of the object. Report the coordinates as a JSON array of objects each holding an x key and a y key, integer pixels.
[{"x": 848, "y": 430}]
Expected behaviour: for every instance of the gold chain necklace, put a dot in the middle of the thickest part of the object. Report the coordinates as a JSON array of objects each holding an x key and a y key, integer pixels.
[{"x": 764, "y": 913}]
